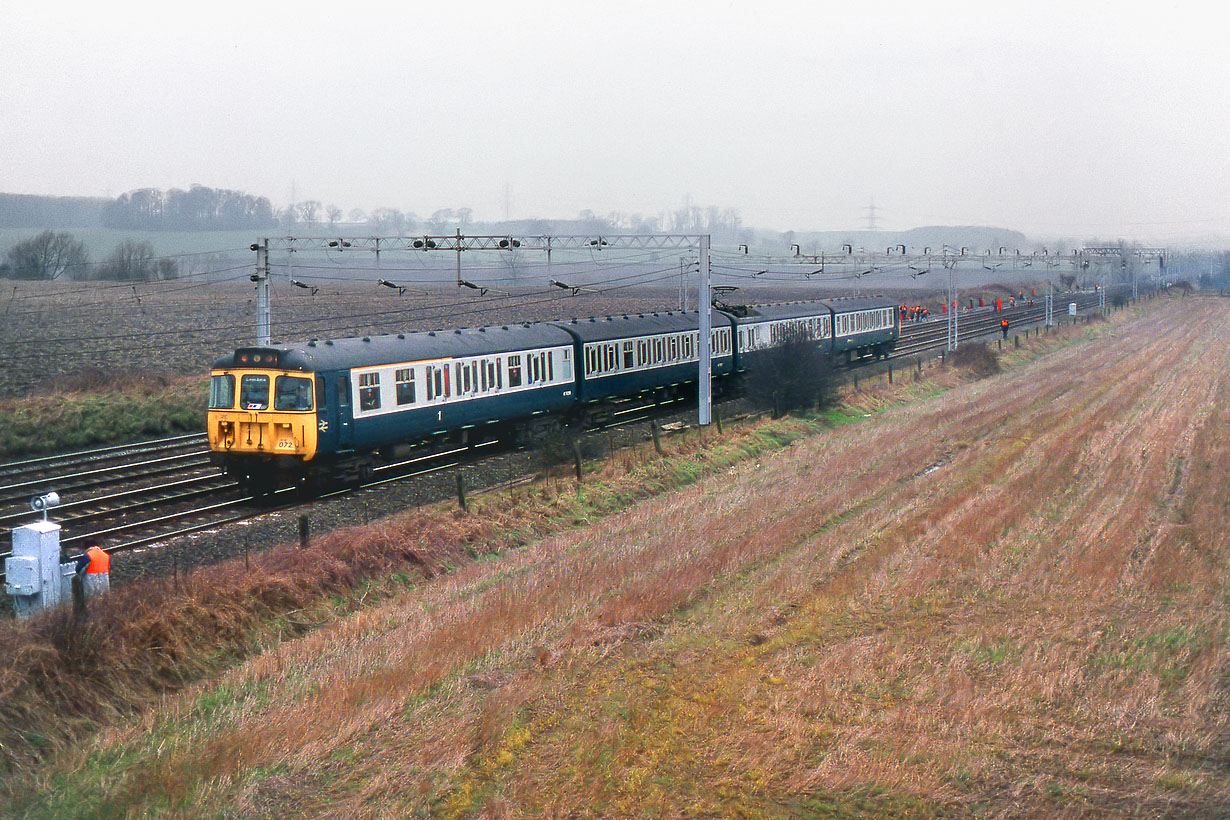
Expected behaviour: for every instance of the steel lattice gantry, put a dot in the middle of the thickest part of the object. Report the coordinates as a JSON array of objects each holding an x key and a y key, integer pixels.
[{"x": 459, "y": 242}]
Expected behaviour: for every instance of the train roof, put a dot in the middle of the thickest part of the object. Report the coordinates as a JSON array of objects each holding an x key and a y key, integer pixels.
[
  {"x": 812, "y": 307},
  {"x": 606, "y": 328},
  {"x": 852, "y": 303},
  {"x": 370, "y": 351}
]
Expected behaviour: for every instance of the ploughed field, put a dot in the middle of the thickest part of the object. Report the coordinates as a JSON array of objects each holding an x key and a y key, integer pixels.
[{"x": 1006, "y": 599}]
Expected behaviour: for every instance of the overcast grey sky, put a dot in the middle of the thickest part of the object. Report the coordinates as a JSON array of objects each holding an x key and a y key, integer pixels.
[{"x": 1079, "y": 119}]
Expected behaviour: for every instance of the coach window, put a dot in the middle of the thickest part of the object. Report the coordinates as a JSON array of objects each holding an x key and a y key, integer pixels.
[
  {"x": 369, "y": 391},
  {"x": 254, "y": 392},
  {"x": 465, "y": 381},
  {"x": 549, "y": 358},
  {"x": 292, "y": 393},
  {"x": 343, "y": 391},
  {"x": 321, "y": 399},
  {"x": 514, "y": 371},
  {"x": 405, "y": 385},
  {"x": 221, "y": 392},
  {"x": 629, "y": 357},
  {"x": 437, "y": 383}
]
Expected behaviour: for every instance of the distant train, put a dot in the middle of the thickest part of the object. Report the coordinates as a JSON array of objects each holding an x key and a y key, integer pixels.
[{"x": 331, "y": 410}]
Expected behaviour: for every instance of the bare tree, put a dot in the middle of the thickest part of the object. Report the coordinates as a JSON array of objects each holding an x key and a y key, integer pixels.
[
  {"x": 795, "y": 373},
  {"x": 131, "y": 261},
  {"x": 48, "y": 255},
  {"x": 333, "y": 214},
  {"x": 441, "y": 219},
  {"x": 387, "y": 220},
  {"x": 309, "y": 210}
]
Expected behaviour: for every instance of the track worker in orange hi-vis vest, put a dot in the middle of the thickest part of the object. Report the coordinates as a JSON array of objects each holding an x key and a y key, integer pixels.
[{"x": 98, "y": 573}]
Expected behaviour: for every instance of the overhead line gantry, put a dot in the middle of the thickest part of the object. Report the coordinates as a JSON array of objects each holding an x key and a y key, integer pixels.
[{"x": 458, "y": 243}]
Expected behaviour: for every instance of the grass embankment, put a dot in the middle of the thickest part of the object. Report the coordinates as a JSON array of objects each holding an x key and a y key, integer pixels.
[
  {"x": 95, "y": 408},
  {"x": 1008, "y": 599}
]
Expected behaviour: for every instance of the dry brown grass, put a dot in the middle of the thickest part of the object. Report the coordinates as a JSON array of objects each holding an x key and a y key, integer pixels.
[{"x": 1008, "y": 601}]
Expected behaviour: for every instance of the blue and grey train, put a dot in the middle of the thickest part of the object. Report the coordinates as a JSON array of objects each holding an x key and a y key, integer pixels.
[{"x": 333, "y": 409}]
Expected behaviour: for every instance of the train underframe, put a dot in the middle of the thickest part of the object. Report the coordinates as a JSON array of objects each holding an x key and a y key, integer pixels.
[{"x": 260, "y": 474}]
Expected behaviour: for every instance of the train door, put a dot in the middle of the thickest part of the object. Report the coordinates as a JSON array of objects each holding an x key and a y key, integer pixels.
[
  {"x": 326, "y": 415},
  {"x": 345, "y": 417}
]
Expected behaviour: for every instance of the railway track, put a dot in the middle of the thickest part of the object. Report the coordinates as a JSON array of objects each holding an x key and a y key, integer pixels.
[
  {"x": 139, "y": 494},
  {"x": 920, "y": 337},
  {"x": 188, "y": 494}
]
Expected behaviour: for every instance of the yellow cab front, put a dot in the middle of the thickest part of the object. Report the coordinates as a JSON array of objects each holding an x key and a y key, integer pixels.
[{"x": 256, "y": 412}]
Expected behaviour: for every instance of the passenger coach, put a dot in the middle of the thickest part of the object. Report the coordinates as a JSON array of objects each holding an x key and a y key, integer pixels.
[
  {"x": 845, "y": 328},
  {"x": 628, "y": 355}
]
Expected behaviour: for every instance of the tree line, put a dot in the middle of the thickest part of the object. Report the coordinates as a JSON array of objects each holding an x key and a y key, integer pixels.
[
  {"x": 57, "y": 254},
  {"x": 199, "y": 208}
]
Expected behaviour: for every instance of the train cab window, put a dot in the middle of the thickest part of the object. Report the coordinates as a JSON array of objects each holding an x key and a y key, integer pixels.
[
  {"x": 405, "y": 385},
  {"x": 221, "y": 392},
  {"x": 369, "y": 391},
  {"x": 292, "y": 393},
  {"x": 254, "y": 392},
  {"x": 514, "y": 371}
]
